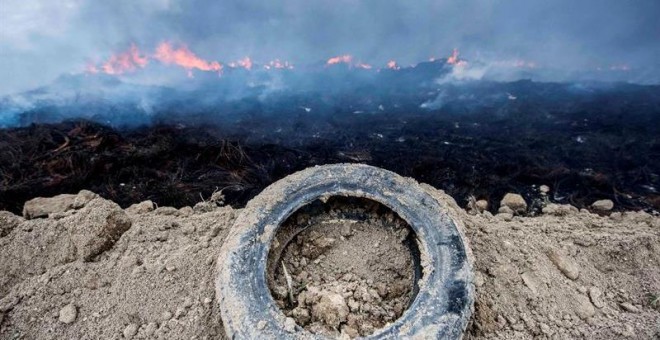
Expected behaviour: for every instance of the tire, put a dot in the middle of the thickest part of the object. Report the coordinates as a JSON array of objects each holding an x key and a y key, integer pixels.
[{"x": 443, "y": 304}]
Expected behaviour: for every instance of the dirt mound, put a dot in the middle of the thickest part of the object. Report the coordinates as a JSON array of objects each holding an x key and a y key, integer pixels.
[{"x": 578, "y": 275}]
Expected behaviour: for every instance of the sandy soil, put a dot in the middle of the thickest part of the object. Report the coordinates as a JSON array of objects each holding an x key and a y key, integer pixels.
[
  {"x": 339, "y": 281},
  {"x": 564, "y": 274}
]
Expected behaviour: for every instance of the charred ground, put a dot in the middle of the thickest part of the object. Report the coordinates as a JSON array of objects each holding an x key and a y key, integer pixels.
[{"x": 585, "y": 147}]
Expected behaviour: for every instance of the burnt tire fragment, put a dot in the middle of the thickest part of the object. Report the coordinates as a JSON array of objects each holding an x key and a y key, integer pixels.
[{"x": 443, "y": 304}]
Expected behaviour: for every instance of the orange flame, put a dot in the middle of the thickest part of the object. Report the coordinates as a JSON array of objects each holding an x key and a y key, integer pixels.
[
  {"x": 346, "y": 59},
  {"x": 185, "y": 58},
  {"x": 124, "y": 62},
  {"x": 453, "y": 59},
  {"x": 245, "y": 63},
  {"x": 392, "y": 65}
]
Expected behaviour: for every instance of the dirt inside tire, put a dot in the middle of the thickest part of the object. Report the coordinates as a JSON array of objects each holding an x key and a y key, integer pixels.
[{"x": 350, "y": 266}]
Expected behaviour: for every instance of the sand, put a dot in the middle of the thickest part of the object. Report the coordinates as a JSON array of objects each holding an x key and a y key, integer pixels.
[{"x": 567, "y": 274}]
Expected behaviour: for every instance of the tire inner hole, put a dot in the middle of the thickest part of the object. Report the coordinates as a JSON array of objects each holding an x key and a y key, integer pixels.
[{"x": 344, "y": 267}]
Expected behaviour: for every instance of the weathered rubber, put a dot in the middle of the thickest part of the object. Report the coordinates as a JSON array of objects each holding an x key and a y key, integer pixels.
[{"x": 445, "y": 299}]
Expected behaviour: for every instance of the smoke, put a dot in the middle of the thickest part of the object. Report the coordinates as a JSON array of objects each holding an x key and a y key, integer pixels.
[{"x": 42, "y": 39}]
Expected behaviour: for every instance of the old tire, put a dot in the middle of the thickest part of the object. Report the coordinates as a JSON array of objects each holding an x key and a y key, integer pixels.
[{"x": 445, "y": 298}]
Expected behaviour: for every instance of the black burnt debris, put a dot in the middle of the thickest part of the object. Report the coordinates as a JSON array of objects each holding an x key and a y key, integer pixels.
[{"x": 584, "y": 147}]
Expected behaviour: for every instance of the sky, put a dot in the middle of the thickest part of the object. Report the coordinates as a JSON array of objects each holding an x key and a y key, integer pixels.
[{"x": 42, "y": 39}]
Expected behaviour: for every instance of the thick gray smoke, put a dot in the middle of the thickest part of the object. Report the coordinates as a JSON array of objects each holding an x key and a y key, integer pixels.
[{"x": 42, "y": 39}]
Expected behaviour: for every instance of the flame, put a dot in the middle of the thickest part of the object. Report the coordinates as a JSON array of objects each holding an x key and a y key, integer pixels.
[
  {"x": 124, "y": 62},
  {"x": 346, "y": 59},
  {"x": 185, "y": 58},
  {"x": 245, "y": 63},
  {"x": 453, "y": 59},
  {"x": 392, "y": 65}
]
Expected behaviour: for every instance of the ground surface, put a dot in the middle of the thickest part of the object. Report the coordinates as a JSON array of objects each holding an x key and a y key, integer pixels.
[{"x": 576, "y": 275}]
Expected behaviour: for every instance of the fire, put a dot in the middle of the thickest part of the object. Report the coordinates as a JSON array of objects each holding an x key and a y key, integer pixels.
[
  {"x": 392, "y": 65},
  {"x": 124, "y": 62},
  {"x": 453, "y": 59},
  {"x": 245, "y": 63},
  {"x": 346, "y": 59},
  {"x": 185, "y": 58}
]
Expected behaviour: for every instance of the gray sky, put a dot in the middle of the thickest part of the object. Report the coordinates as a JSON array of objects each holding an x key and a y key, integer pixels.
[{"x": 41, "y": 39}]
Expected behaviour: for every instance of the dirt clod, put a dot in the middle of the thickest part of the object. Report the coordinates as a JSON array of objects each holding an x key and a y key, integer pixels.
[{"x": 68, "y": 314}]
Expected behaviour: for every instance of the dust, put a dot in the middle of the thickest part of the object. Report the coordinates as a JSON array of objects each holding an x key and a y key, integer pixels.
[
  {"x": 350, "y": 267},
  {"x": 564, "y": 275}
]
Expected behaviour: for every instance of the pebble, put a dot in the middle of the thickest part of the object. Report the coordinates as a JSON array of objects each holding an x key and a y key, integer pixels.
[
  {"x": 290, "y": 325},
  {"x": 514, "y": 202},
  {"x": 530, "y": 281},
  {"x": 583, "y": 307},
  {"x": 130, "y": 331},
  {"x": 544, "y": 189},
  {"x": 166, "y": 316},
  {"x": 628, "y": 307},
  {"x": 595, "y": 294},
  {"x": 481, "y": 205},
  {"x": 261, "y": 325},
  {"x": 150, "y": 329},
  {"x": 564, "y": 264},
  {"x": 603, "y": 205},
  {"x": 68, "y": 314}
]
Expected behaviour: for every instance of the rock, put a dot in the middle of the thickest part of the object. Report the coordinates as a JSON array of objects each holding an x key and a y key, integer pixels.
[
  {"x": 628, "y": 307},
  {"x": 290, "y": 325},
  {"x": 150, "y": 329},
  {"x": 595, "y": 295},
  {"x": 167, "y": 211},
  {"x": 83, "y": 197},
  {"x": 331, "y": 309},
  {"x": 68, "y": 314},
  {"x": 544, "y": 189},
  {"x": 141, "y": 208},
  {"x": 564, "y": 264},
  {"x": 481, "y": 205},
  {"x": 186, "y": 211},
  {"x": 350, "y": 331},
  {"x": 559, "y": 209},
  {"x": 130, "y": 331},
  {"x": 504, "y": 210},
  {"x": 8, "y": 222},
  {"x": 583, "y": 307},
  {"x": 97, "y": 227},
  {"x": 166, "y": 316},
  {"x": 603, "y": 205},
  {"x": 531, "y": 282},
  {"x": 42, "y": 206},
  {"x": 505, "y": 216},
  {"x": 514, "y": 202}
]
